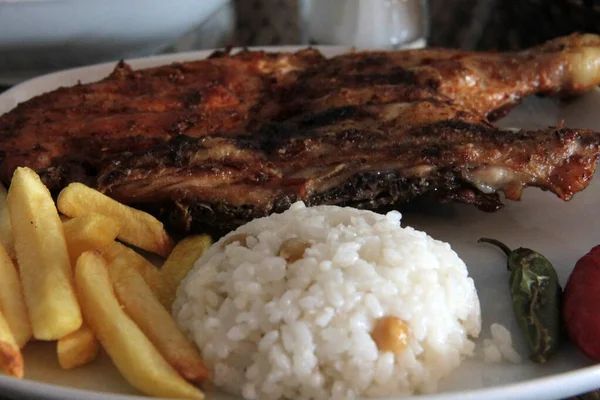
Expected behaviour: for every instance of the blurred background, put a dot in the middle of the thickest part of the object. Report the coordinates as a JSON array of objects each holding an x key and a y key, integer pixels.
[
  {"x": 40, "y": 36},
  {"x": 467, "y": 24}
]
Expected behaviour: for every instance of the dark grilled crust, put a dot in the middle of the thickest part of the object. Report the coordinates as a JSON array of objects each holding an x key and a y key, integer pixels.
[
  {"x": 366, "y": 190},
  {"x": 234, "y": 94},
  {"x": 134, "y": 110},
  {"x": 361, "y": 156},
  {"x": 214, "y": 143}
]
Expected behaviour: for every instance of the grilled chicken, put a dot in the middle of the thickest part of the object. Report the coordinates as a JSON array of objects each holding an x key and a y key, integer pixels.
[
  {"x": 223, "y": 140},
  {"x": 490, "y": 83},
  {"x": 67, "y": 132},
  {"x": 364, "y": 156}
]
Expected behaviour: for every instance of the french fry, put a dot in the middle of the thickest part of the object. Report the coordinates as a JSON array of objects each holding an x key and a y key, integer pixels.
[
  {"x": 90, "y": 232},
  {"x": 149, "y": 272},
  {"x": 137, "y": 227},
  {"x": 45, "y": 271},
  {"x": 12, "y": 303},
  {"x": 6, "y": 235},
  {"x": 78, "y": 348},
  {"x": 155, "y": 321},
  {"x": 133, "y": 354},
  {"x": 179, "y": 263},
  {"x": 11, "y": 359}
]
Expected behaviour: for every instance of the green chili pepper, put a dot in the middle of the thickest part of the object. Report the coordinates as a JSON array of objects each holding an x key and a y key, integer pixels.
[{"x": 536, "y": 297}]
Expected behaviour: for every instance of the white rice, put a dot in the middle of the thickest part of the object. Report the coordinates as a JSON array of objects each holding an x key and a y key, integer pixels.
[
  {"x": 300, "y": 330},
  {"x": 500, "y": 346}
]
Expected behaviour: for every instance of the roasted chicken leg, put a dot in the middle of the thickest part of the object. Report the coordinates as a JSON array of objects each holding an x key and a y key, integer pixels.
[
  {"x": 364, "y": 156},
  {"x": 216, "y": 142}
]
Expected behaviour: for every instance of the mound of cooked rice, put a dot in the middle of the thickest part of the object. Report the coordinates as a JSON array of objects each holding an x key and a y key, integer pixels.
[{"x": 287, "y": 306}]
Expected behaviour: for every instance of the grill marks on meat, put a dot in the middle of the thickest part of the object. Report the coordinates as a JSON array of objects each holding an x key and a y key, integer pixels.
[
  {"x": 365, "y": 156},
  {"x": 134, "y": 110},
  {"x": 216, "y": 142},
  {"x": 236, "y": 94},
  {"x": 485, "y": 82}
]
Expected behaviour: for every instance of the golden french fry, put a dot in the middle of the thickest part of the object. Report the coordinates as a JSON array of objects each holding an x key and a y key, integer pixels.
[
  {"x": 155, "y": 321},
  {"x": 90, "y": 232},
  {"x": 137, "y": 227},
  {"x": 149, "y": 272},
  {"x": 179, "y": 263},
  {"x": 6, "y": 235},
  {"x": 134, "y": 355},
  {"x": 12, "y": 303},
  {"x": 45, "y": 271},
  {"x": 11, "y": 359},
  {"x": 78, "y": 348}
]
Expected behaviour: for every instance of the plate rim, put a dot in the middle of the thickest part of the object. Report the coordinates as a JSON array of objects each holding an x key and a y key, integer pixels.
[
  {"x": 517, "y": 391},
  {"x": 587, "y": 377}
]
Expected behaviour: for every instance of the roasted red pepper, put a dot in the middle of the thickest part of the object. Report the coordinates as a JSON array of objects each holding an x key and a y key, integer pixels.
[{"x": 581, "y": 304}]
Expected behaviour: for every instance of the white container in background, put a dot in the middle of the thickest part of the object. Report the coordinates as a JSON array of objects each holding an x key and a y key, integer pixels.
[
  {"x": 40, "y": 36},
  {"x": 381, "y": 24}
]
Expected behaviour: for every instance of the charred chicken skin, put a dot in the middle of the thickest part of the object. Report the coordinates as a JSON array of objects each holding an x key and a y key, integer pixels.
[{"x": 216, "y": 142}]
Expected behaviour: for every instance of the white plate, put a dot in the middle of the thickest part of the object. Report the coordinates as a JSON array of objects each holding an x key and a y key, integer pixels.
[{"x": 562, "y": 231}]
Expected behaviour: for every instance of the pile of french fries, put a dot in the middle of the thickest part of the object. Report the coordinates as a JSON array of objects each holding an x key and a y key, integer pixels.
[{"x": 64, "y": 277}]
